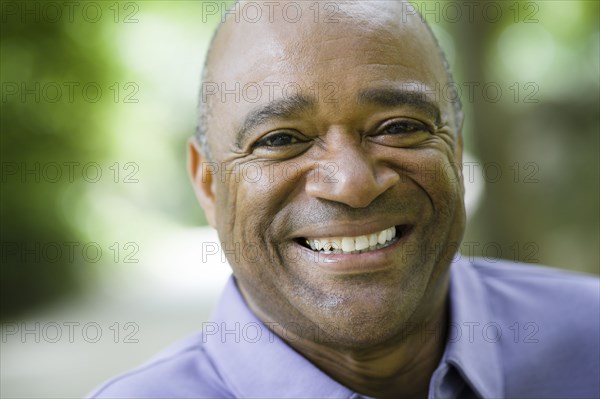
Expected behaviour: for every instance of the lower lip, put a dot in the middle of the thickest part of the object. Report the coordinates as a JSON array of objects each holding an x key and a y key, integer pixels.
[{"x": 366, "y": 262}]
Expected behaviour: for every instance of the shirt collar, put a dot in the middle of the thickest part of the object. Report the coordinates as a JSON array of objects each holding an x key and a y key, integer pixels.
[
  {"x": 256, "y": 363},
  {"x": 472, "y": 345}
]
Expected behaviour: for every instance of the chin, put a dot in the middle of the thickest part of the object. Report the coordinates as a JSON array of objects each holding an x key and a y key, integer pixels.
[
  {"x": 358, "y": 334},
  {"x": 365, "y": 317}
]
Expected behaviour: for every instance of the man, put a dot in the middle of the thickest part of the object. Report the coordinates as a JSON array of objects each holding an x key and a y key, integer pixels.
[{"x": 334, "y": 181}]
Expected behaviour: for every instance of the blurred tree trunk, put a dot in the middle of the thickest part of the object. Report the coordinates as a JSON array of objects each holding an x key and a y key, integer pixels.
[{"x": 544, "y": 206}]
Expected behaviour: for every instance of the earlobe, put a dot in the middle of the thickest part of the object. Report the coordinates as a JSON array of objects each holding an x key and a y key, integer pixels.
[{"x": 202, "y": 179}]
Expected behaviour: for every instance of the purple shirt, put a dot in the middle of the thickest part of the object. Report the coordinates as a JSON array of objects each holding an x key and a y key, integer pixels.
[{"x": 515, "y": 331}]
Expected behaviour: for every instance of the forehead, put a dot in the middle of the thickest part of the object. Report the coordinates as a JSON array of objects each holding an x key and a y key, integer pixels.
[
  {"x": 376, "y": 31},
  {"x": 359, "y": 46}
]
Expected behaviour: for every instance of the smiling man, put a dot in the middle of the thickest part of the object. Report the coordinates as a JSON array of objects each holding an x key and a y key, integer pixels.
[{"x": 332, "y": 174}]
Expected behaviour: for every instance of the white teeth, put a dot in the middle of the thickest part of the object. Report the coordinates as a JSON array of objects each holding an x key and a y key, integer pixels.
[
  {"x": 382, "y": 238},
  {"x": 373, "y": 239},
  {"x": 347, "y": 244},
  {"x": 353, "y": 244},
  {"x": 361, "y": 242},
  {"x": 332, "y": 244}
]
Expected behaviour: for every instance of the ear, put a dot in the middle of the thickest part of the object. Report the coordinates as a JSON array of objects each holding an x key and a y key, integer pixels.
[
  {"x": 458, "y": 158},
  {"x": 201, "y": 173}
]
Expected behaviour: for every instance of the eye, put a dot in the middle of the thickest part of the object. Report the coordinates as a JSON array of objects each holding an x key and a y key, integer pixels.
[
  {"x": 401, "y": 132},
  {"x": 280, "y": 144},
  {"x": 403, "y": 127},
  {"x": 277, "y": 140}
]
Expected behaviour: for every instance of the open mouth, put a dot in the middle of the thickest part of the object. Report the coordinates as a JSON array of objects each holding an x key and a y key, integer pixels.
[{"x": 355, "y": 245}]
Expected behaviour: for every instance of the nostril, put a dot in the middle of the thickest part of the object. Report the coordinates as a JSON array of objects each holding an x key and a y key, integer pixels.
[{"x": 352, "y": 182}]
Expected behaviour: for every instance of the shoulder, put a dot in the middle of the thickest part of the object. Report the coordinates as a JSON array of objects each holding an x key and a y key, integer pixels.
[
  {"x": 537, "y": 284},
  {"x": 550, "y": 325},
  {"x": 507, "y": 269},
  {"x": 566, "y": 303},
  {"x": 181, "y": 371}
]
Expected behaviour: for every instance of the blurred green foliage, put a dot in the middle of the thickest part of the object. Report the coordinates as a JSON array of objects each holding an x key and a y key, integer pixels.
[
  {"x": 35, "y": 132},
  {"x": 543, "y": 132},
  {"x": 159, "y": 46}
]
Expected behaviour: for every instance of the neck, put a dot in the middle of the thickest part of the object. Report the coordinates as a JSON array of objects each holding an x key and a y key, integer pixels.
[{"x": 399, "y": 369}]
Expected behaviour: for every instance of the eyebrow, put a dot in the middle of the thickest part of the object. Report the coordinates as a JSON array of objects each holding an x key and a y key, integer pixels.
[
  {"x": 391, "y": 97},
  {"x": 282, "y": 108},
  {"x": 288, "y": 107}
]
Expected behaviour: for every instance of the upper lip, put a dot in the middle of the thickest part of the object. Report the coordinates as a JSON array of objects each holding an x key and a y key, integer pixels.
[{"x": 350, "y": 229}]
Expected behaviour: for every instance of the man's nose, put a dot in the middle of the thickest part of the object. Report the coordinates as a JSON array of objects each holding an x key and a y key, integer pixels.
[{"x": 351, "y": 176}]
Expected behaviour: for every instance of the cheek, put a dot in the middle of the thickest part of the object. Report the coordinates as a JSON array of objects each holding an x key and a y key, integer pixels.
[
  {"x": 249, "y": 197},
  {"x": 439, "y": 176},
  {"x": 250, "y": 226}
]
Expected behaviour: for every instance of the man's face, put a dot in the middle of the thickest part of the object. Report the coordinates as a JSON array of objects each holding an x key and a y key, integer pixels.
[{"x": 328, "y": 143}]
